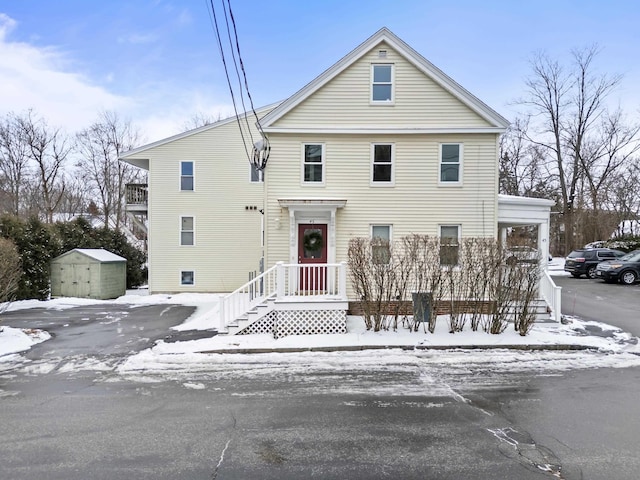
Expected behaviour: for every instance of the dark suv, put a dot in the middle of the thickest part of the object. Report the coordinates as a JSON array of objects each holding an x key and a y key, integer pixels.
[
  {"x": 626, "y": 269},
  {"x": 584, "y": 261}
]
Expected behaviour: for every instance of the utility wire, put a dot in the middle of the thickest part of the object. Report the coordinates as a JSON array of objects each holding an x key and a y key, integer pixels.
[
  {"x": 244, "y": 73},
  {"x": 226, "y": 71},
  {"x": 235, "y": 65},
  {"x": 260, "y": 156}
]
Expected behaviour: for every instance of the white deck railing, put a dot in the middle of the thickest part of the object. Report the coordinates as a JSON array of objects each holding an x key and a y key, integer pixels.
[
  {"x": 286, "y": 282},
  {"x": 552, "y": 294}
]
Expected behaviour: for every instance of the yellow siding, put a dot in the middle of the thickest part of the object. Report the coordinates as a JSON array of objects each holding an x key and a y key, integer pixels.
[
  {"x": 227, "y": 235},
  {"x": 345, "y": 101},
  {"x": 416, "y": 204}
]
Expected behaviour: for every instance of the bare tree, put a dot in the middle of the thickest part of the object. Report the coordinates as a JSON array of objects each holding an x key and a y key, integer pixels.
[
  {"x": 99, "y": 147},
  {"x": 568, "y": 106},
  {"x": 624, "y": 198},
  {"x": 615, "y": 143},
  {"x": 524, "y": 166},
  {"x": 14, "y": 161},
  {"x": 201, "y": 119},
  {"x": 48, "y": 148}
]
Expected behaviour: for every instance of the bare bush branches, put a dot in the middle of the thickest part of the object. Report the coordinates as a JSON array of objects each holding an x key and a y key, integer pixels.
[
  {"x": 373, "y": 275},
  {"x": 487, "y": 286}
]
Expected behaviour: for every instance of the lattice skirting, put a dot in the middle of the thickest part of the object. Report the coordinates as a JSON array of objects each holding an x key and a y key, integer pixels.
[
  {"x": 264, "y": 325},
  {"x": 309, "y": 322},
  {"x": 283, "y": 323}
]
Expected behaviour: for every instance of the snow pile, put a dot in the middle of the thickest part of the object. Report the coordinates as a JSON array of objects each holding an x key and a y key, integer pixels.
[
  {"x": 15, "y": 340},
  {"x": 595, "y": 335}
]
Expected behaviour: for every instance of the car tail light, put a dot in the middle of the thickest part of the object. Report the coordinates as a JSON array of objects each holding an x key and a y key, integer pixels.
[{"x": 579, "y": 259}]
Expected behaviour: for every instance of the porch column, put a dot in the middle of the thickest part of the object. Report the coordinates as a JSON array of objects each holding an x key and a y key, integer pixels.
[
  {"x": 503, "y": 236},
  {"x": 543, "y": 243}
]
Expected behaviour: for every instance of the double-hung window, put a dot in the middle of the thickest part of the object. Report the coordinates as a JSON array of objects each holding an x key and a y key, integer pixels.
[
  {"x": 451, "y": 163},
  {"x": 187, "y": 231},
  {"x": 186, "y": 176},
  {"x": 313, "y": 164},
  {"x": 449, "y": 245},
  {"x": 380, "y": 244},
  {"x": 382, "y": 83},
  {"x": 382, "y": 164}
]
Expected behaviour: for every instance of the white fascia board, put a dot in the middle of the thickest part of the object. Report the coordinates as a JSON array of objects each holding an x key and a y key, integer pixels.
[{"x": 381, "y": 130}]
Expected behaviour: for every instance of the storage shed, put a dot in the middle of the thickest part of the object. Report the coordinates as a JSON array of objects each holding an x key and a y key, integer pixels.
[{"x": 88, "y": 273}]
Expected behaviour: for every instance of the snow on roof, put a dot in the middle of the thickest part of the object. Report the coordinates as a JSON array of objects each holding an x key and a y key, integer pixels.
[{"x": 100, "y": 254}]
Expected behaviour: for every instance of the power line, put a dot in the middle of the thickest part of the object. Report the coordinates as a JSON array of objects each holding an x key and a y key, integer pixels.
[
  {"x": 261, "y": 155},
  {"x": 226, "y": 72},
  {"x": 260, "y": 149}
]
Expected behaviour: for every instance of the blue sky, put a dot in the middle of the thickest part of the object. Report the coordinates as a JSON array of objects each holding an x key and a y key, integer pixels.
[{"x": 156, "y": 61}]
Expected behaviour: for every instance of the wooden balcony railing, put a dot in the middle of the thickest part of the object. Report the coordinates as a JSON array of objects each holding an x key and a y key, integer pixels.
[{"x": 137, "y": 194}]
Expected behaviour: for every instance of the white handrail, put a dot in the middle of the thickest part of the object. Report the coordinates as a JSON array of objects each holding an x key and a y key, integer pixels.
[
  {"x": 552, "y": 294},
  {"x": 299, "y": 281},
  {"x": 243, "y": 299}
]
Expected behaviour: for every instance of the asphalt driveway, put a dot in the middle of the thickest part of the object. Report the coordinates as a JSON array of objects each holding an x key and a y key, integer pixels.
[
  {"x": 614, "y": 304},
  {"x": 101, "y": 330}
]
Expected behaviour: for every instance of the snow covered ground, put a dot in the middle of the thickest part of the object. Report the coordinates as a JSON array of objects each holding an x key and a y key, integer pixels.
[{"x": 609, "y": 346}]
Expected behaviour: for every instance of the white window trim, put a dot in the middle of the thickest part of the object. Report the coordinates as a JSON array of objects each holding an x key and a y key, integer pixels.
[
  {"x": 323, "y": 163},
  {"x": 260, "y": 175},
  {"x": 460, "y": 165},
  {"x": 459, "y": 227},
  {"x": 393, "y": 166},
  {"x": 393, "y": 85},
  {"x": 188, "y": 284},
  {"x": 390, "y": 226},
  {"x": 385, "y": 225},
  {"x": 180, "y": 231},
  {"x": 192, "y": 176}
]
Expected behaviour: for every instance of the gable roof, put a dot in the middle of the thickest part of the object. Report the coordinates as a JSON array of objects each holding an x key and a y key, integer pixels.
[
  {"x": 412, "y": 56},
  {"x": 99, "y": 254},
  {"x": 138, "y": 157}
]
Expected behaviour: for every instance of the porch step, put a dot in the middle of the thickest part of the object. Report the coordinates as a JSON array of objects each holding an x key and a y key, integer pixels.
[{"x": 256, "y": 313}]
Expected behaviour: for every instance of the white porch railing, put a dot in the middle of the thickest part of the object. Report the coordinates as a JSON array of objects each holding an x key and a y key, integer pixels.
[
  {"x": 293, "y": 282},
  {"x": 552, "y": 294}
]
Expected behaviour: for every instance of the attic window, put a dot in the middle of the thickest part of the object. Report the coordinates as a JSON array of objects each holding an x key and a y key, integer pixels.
[
  {"x": 382, "y": 83},
  {"x": 382, "y": 54}
]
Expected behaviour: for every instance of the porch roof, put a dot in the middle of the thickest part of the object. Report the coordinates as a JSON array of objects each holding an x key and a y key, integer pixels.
[
  {"x": 513, "y": 210},
  {"x": 312, "y": 203}
]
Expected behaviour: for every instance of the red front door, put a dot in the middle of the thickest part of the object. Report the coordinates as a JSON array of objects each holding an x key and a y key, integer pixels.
[{"x": 312, "y": 248}]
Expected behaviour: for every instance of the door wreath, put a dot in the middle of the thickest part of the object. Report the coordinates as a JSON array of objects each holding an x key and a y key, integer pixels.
[{"x": 313, "y": 241}]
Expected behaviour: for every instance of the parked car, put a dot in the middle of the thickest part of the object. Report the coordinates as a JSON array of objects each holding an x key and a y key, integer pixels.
[
  {"x": 625, "y": 269},
  {"x": 584, "y": 260}
]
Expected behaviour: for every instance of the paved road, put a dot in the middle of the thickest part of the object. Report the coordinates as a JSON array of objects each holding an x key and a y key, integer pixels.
[
  {"x": 615, "y": 304},
  {"x": 68, "y": 413}
]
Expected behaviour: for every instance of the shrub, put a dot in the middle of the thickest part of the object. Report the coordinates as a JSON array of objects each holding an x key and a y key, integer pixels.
[
  {"x": 37, "y": 244},
  {"x": 10, "y": 271}
]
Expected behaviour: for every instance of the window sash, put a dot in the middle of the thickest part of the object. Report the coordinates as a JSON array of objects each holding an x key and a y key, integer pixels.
[
  {"x": 450, "y": 162},
  {"x": 449, "y": 245},
  {"x": 187, "y": 277},
  {"x": 382, "y": 170},
  {"x": 313, "y": 163},
  {"x": 382, "y": 83},
  {"x": 187, "y": 231},
  {"x": 186, "y": 176},
  {"x": 381, "y": 244}
]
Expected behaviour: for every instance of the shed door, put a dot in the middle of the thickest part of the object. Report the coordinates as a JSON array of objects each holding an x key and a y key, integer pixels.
[{"x": 76, "y": 280}]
